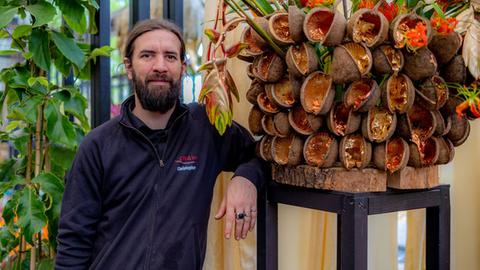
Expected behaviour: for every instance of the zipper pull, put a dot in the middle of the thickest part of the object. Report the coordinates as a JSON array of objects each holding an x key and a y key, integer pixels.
[{"x": 161, "y": 163}]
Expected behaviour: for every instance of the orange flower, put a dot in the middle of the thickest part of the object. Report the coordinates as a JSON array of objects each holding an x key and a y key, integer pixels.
[
  {"x": 366, "y": 4},
  {"x": 416, "y": 38},
  {"x": 314, "y": 3},
  {"x": 444, "y": 26}
]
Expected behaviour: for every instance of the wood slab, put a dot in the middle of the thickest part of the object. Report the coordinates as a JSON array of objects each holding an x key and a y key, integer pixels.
[
  {"x": 414, "y": 178},
  {"x": 336, "y": 178}
]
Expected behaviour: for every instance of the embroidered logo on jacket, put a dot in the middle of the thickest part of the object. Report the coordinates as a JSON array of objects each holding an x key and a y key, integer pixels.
[{"x": 186, "y": 163}]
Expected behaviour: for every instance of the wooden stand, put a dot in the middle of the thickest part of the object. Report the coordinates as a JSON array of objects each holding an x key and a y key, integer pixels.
[{"x": 414, "y": 178}]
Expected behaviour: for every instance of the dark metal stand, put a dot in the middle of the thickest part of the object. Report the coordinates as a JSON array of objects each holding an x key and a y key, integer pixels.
[{"x": 352, "y": 211}]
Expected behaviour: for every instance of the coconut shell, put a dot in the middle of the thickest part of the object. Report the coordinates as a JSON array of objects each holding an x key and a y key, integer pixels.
[
  {"x": 295, "y": 23},
  {"x": 362, "y": 95},
  {"x": 354, "y": 151},
  {"x": 320, "y": 149},
  {"x": 250, "y": 74},
  {"x": 253, "y": 47},
  {"x": 255, "y": 121},
  {"x": 279, "y": 30},
  {"x": 288, "y": 150},
  {"x": 443, "y": 124},
  {"x": 445, "y": 46},
  {"x": 403, "y": 23},
  {"x": 256, "y": 38},
  {"x": 324, "y": 26},
  {"x": 447, "y": 151},
  {"x": 282, "y": 126},
  {"x": 398, "y": 93},
  {"x": 424, "y": 154},
  {"x": 281, "y": 93},
  {"x": 266, "y": 105},
  {"x": 368, "y": 26},
  {"x": 418, "y": 124},
  {"x": 387, "y": 60},
  {"x": 301, "y": 60},
  {"x": 420, "y": 64},
  {"x": 266, "y": 148},
  {"x": 268, "y": 125},
  {"x": 455, "y": 71},
  {"x": 459, "y": 131},
  {"x": 432, "y": 93},
  {"x": 350, "y": 62},
  {"x": 317, "y": 93},
  {"x": 392, "y": 155},
  {"x": 256, "y": 87},
  {"x": 343, "y": 120},
  {"x": 269, "y": 67},
  {"x": 302, "y": 122},
  {"x": 379, "y": 124}
]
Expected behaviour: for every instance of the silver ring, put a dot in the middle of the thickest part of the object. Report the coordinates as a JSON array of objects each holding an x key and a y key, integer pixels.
[{"x": 241, "y": 215}]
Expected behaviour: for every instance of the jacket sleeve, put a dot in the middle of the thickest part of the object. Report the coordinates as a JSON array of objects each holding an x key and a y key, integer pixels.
[{"x": 81, "y": 210}]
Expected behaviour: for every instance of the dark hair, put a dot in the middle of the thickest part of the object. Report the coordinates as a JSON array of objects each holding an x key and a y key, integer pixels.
[{"x": 145, "y": 26}]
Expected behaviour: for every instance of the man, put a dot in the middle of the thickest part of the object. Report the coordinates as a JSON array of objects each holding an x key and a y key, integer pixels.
[{"x": 139, "y": 192}]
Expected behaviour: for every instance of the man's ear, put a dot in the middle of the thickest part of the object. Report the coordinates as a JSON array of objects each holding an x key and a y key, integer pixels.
[
  {"x": 184, "y": 68},
  {"x": 128, "y": 67}
]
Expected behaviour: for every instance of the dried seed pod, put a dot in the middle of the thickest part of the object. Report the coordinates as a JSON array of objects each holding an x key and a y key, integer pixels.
[
  {"x": 266, "y": 105},
  {"x": 269, "y": 67},
  {"x": 256, "y": 38},
  {"x": 450, "y": 106},
  {"x": 256, "y": 87},
  {"x": 403, "y": 24},
  {"x": 250, "y": 74},
  {"x": 295, "y": 23},
  {"x": 418, "y": 124},
  {"x": 443, "y": 124},
  {"x": 268, "y": 126},
  {"x": 278, "y": 29},
  {"x": 324, "y": 26},
  {"x": 425, "y": 153},
  {"x": 379, "y": 124},
  {"x": 445, "y": 46},
  {"x": 255, "y": 121},
  {"x": 282, "y": 126},
  {"x": 266, "y": 148},
  {"x": 253, "y": 47},
  {"x": 288, "y": 150},
  {"x": 398, "y": 93},
  {"x": 320, "y": 149},
  {"x": 446, "y": 151},
  {"x": 282, "y": 93},
  {"x": 302, "y": 122},
  {"x": 368, "y": 26},
  {"x": 317, "y": 93},
  {"x": 362, "y": 95},
  {"x": 420, "y": 64},
  {"x": 432, "y": 93},
  {"x": 343, "y": 120},
  {"x": 459, "y": 131},
  {"x": 387, "y": 60},
  {"x": 301, "y": 59},
  {"x": 455, "y": 71},
  {"x": 392, "y": 155},
  {"x": 355, "y": 151},
  {"x": 350, "y": 62}
]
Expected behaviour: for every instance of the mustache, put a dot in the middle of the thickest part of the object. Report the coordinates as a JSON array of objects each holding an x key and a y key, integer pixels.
[{"x": 158, "y": 77}]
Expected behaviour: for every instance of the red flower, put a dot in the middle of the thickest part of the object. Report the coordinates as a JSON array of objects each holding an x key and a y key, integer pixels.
[
  {"x": 416, "y": 38},
  {"x": 443, "y": 25},
  {"x": 390, "y": 10},
  {"x": 471, "y": 105},
  {"x": 314, "y": 3},
  {"x": 366, "y": 4}
]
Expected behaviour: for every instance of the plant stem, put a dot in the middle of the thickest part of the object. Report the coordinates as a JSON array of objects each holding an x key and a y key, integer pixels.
[
  {"x": 33, "y": 256},
  {"x": 277, "y": 5},
  {"x": 28, "y": 173},
  {"x": 253, "y": 8},
  {"x": 38, "y": 139}
]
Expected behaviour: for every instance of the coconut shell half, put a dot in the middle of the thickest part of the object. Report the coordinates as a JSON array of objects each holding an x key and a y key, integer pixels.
[
  {"x": 302, "y": 122},
  {"x": 387, "y": 60},
  {"x": 420, "y": 64},
  {"x": 256, "y": 87},
  {"x": 295, "y": 23},
  {"x": 279, "y": 30},
  {"x": 268, "y": 125},
  {"x": 392, "y": 155},
  {"x": 301, "y": 60},
  {"x": 265, "y": 149},
  {"x": 455, "y": 71},
  {"x": 269, "y": 67},
  {"x": 282, "y": 93},
  {"x": 350, "y": 62},
  {"x": 317, "y": 93},
  {"x": 255, "y": 121},
  {"x": 368, "y": 26},
  {"x": 362, "y": 95},
  {"x": 379, "y": 124},
  {"x": 443, "y": 124},
  {"x": 324, "y": 26},
  {"x": 432, "y": 93},
  {"x": 354, "y": 151},
  {"x": 252, "y": 47},
  {"x": 425, "y": 153},
  {"x": 445, "y": 46},
  {"x": 447, "y": 151},
  {"x": 320, "y": 149},
  {"x": 266, "y": 105},
  {"x": 403, "y": 24},
  {"x": 288, "y": 150},
  {"x": 418, "y": 124},
  {"x": 343, "y": 120},
  {"x": 459, "y": 131},
  {"x": 398, "y": 93}
]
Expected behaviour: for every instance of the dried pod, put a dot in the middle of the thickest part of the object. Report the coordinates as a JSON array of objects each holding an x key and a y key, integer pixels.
[
  {"x": 247, "y": 38},
  {"x": 362, "y": 95},
  {"x": 354, "y": 151},
  {"x": 301, "y": 60},
  {"x": 398, "y": 93},
  {"x": 266, "y": 105},
  {"x": 256, "y": 38},
  {"x": 282, "y": 126},
  {"x": 256, "y": 87},
  {"x": 405, "y": 23},
  {"x": 445, "y": 46},
  {"x": 295, "y": 23},
  {"x": 278, "y": 28},
  {"x": 432, "y": 93},
  {"x": 443, "y": 124},
  {"x": 288, "y": 150},
  {"x": 459, "y": 131},
  {"x": 250, "y": 74},
  {"x": 418, "y": 124},
  {"x": 392, "y": 155},
  {"x": 368, "y": 26},
  {"x": 302, "y": 122},
  {"x": 324, "y": 26},
  {"x": 350, "y": 62},
  {"x": 387, "y": 60},
  {"x": 317, "y": 93},
  {"x": 379, "y": 124},
  {"x": 255, "y": 121},
  {"x": 282, "y": 93},
  {"x": 265, "y": 149},
  {"x": 269, "y": 67},
  {"x": 446, "y": 151},
  {"x": 343, "y": 120},
  {"x": 320, "y": 149},
  {"x": 420, "y": 64},
  {"x": 268, "y": 126},
  {"x": 450, "y": 106},
  {"x": 424, "y": 153},
  {"x": 455, "y": 71}
]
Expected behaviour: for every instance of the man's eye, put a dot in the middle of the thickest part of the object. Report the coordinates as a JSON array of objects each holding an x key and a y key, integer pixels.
[
  {"x": 171, "y": 57},
  {"x": 145, "y": 56}
]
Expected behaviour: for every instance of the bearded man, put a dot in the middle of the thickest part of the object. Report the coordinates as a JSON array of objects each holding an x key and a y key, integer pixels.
[{"x": 139, "y": 191}]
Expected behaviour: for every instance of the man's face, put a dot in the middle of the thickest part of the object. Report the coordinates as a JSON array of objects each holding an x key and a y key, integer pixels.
[{"x": 156, "y": 69}]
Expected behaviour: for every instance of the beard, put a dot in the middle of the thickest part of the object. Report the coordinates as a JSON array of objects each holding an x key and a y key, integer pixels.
[{"x": 159, "y": 98}]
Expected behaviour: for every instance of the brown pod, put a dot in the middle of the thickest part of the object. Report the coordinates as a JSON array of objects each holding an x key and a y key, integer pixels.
[
  {"x": 362, "y": 95},
  {"x": 432, "y": 93},
  {"x": 354, "y": 151},
  {"x": 443, "y": 124},
  {"x": 387, "y": 60},
  {"x": 252, "y": 47},
  {"x": 278, "y": 29},
  {"x": 268, "y": 125},
  {"x": 324, "y": 26},
  {"x": 455, "y": 71},
  {"x": 266, "y": 105},
  {"x": 451, "y": 105},
  {"x": 282, "y": 93},
  {"x": 379, "y": 124},
  {"x": 418, "y": 124},
  {"x": 350, "y": 62},
  {"x": 317, "y": 93},
  {"x": 445, "y": 46},
  {"x": 460, "y": 130},
  {"x": 256, "y": 87},
  {"x": 446, "y": 152},
  {"x": 303, "y": 122},
  {"x": 368, "y": 26},
  {"x": 269, "y": 67},
  {"x": 391, "y": 155},
  {"x": 250, "y": 74},
  {"x": 343, "y": 120},
  {"x": 425, "y": 153},
  {"x": 266, "y": 148},
  {"x": 288, "y": 150},
  {"x": 256, "y": 38},
  {"x": 398, "y": 93},
  {"x": 301, "y": 60},
  {"x": 282, "y": 126},
  {"x": 420, "y": 64},
  {"x": 255, "y": 121},
  {"x": 295, "y": 23},
  {"x": 321, "y": 150},
  {"x": 404, "y": 23}
]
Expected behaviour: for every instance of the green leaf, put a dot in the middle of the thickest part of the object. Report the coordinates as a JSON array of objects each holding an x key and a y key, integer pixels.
[
  {"x": 45, "y": 264},
  {"x": 40, "y": 79},
  {"x": 103, "y": 51},
  {"x": 31, "y": 213},
  {"x": 8, "y": 52},
  {"x": 77, "y": 105},
  {"x": 12, "y": 125},
  {"x": 62, "y": 64},
  {"x": 74, "y": 15},
  {"x": 4, "y": 33},
  {"x": 27, "y": 55},
  {"x": 8, "y": 213},
  {"x": 27, "y": 110},
  {"x": 59, "y": 128},
  {"x": 21, "y": 31},
  {"x": 69, "y": 48},
  {"x": 43, "y": 12},
  {"x": 61, "y": 155},
  {"x": 53, "y": 187},
  {"x": 6, "y": 15},
  {"x": 39, "y": 46},
  {"x": 438, "y": 10},
  {"x": 264, "y": 6},
  {"x": 7, "y": 171}
]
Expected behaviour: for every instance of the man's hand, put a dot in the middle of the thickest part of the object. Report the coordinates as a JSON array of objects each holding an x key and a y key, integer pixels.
[{"x": 239, "y": 205}]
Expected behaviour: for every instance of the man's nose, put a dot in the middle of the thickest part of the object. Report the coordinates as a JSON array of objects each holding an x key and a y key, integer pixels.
[{"x": 159, "y": 64}]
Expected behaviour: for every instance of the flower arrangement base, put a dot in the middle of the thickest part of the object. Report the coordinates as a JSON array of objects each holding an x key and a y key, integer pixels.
[
  {"x": 335, "y": 178},
  {"x": 414, "y": 178}
]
